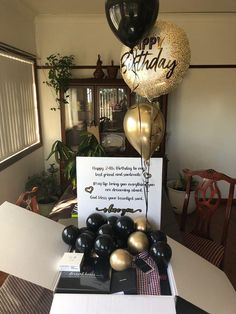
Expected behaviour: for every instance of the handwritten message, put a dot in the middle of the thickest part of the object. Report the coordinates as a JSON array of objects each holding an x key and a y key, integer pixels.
[{"x": 115, "y": 186}]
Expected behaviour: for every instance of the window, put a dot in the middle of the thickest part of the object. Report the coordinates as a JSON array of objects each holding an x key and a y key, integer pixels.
[{"x": 19, "y": 120}]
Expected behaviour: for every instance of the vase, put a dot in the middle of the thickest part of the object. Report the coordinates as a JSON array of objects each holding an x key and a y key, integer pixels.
[{"x": 176, "y": 198}]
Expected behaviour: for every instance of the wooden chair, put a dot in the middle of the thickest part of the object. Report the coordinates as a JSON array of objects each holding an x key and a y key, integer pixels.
[{"x": 207, "y": 198}]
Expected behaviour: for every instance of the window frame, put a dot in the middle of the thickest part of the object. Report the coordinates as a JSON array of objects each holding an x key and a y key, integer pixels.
[{"x": 28, "y": 56}]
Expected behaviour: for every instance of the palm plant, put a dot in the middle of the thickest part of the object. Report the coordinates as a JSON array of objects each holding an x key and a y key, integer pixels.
[{"x": 65, "y": 156}]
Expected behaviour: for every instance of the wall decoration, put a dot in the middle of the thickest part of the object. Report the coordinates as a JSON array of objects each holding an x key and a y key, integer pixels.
[{"x": 157, "y": 65}]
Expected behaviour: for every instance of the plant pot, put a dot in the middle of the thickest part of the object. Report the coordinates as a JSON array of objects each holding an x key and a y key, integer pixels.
[{"x": 176, "y": 198}]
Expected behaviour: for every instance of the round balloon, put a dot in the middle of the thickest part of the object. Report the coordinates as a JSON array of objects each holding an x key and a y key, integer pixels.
[
  {"x": 120, "y": 260},
  {"x": 95, "y": 221},
  {"x": 92, "y": 234},
  {"x": 161, "y": 253},
  {"x": 144, "y": 127},
  {"x": 106, "y": 229},
  {"x": 84, "y": 243},
  {"x": 138, "y": 242},
  {"x": 130, "y": 20},
  {"x": 156, "y": 236},
  {"x": 141, "y": 223},
  {"x": 70, "y": 234},
  {"x": 111, "y": 220},
  {"x": 124, "y": 226},
  {"x": 157, "y": 65},
  {"x": 104, "y": 245}
]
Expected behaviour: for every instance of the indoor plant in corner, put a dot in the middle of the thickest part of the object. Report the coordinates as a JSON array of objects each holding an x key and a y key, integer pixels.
[
  {"x": 88, "y": 145},
  {"x": 176, "y": 193}
]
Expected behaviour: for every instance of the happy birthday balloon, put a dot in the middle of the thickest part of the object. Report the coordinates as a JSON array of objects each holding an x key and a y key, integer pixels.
[
  {"x": 144, "y": 127},
  {"x": 158, "y": 64}
]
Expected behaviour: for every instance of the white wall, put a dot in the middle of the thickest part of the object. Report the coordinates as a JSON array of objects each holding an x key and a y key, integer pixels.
[
  {"x": 17, "y": 29},
  {"x": 204, "y": 94}
]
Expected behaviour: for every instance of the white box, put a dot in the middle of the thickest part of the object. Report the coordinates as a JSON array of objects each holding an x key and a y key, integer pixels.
[
  {"x": 34, "y": 248},
  {"x": 31, "y": 247}
]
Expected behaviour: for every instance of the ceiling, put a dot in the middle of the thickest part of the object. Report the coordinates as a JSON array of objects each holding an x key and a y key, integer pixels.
[{"x": 97, "y": 6}]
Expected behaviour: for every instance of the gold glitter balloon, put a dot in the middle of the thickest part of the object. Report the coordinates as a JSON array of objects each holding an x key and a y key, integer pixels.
[
  {"x": 141, "y": 224},
  {"x": 120, "y": 260},
  {"x": 138, "y": 242},
  {"x": 144, "y": 127},
  {"x": 157, "y": 65}
]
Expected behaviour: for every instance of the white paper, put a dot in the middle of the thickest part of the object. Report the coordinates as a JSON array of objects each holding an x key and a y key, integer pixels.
[
  {"x": 31, "y": 245},
  {"x": 115, "y": 186},
  {"x": 112, "y": 304}
]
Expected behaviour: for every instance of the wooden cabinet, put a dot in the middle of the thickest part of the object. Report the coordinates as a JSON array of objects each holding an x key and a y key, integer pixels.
[{"x": 103, "y": 102}]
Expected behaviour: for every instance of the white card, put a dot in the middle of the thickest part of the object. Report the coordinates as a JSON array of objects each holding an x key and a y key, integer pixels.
[
  {"x": 70, "y": 261},
  {"x": 114, "y": 186}
]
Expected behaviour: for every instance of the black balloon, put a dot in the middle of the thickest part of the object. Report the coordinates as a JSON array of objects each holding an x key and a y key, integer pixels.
[
  {"x": 161, "y": 253},
  {"x": 130, "y": 20},
  {"x": 95, "y": 221},
  {"x": 83, "y": 229},
  {"x": 111, "y": 220},
  {"x": 104, "y": 245},
  {"x": 91, "y": 233},
  {"x": 70, "y": 234},
  {"x": 106, "y": 229},
  {"x": 124, "y": 226},
  {"x": 84, "y": 243},
  {"x": 156, "y": 236},
  {"x": 121, "y": 243}
]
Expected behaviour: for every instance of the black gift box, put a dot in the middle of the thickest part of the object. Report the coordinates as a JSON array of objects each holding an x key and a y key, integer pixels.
[
  {"x": 124, "y": 281},
  {"x": 93, "y": 278}
]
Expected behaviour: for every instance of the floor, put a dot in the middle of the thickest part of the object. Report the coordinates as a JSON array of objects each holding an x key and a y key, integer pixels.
[{"x": 230, "y": 254}]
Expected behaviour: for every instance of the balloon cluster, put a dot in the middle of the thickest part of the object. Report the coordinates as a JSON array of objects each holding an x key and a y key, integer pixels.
[{"x": 118, "y": 239}]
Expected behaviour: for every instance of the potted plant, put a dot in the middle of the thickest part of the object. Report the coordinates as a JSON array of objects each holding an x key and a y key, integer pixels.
[
  {"x": 88, "y": 145},
  {"x": 59, "y": 74},
  {"x": 176, "y": 193},
  {"x": 48, "y": 188}
]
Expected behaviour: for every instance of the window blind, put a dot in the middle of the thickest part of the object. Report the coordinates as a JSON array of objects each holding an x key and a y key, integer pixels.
[{"x": 19, "y": 127}]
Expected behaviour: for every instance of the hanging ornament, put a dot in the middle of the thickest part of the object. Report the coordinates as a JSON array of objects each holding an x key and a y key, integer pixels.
[
  {"x": 157, "y": 65},
  {"x": 144, "y": 127}
]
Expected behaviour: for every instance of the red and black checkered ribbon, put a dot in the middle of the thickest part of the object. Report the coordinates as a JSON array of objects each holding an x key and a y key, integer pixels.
[{"x": 148, "y": 283}]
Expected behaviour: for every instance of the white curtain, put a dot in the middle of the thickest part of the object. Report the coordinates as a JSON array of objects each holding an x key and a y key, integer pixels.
[{"x": 19, "y": 127}]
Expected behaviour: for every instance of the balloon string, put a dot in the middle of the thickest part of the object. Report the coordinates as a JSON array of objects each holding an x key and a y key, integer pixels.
[
  {"x": 146, "y": 177},
  {"x": 134, "y": 70}
]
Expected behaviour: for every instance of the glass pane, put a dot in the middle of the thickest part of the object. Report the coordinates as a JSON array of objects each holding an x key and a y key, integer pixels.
[
  {"x": 112, "y": 108},
  {"x": 79, "y": 112},
  {"x": 80, "y": 107}
]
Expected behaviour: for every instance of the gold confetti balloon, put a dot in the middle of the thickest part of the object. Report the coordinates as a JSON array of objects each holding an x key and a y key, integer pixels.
[
  {"x": 120, "y": 260},
  {"x": 157, "y": 65},
  {"x": 138, "y": 242},
  {"x": 144, "y": 127}
]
